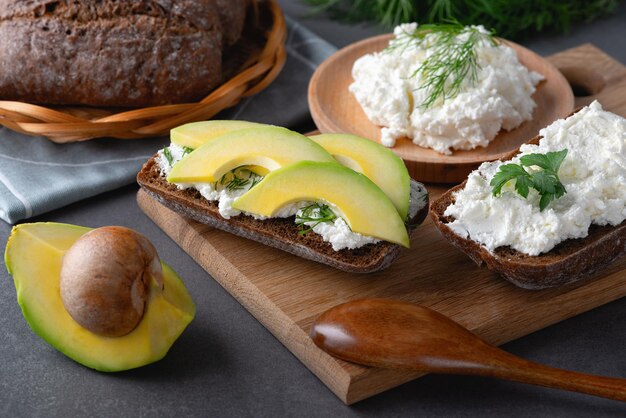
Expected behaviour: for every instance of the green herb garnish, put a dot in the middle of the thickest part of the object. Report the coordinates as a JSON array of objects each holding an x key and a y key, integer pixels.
[
  {"x": 545, "y": 181},
  {"x": 511, "y": 18},
  {"x": 237, "y": 183},
  {"x": 452, "y": 61},
  {"x": 255, "y": 180},
  {"x": 168, "y": 155},
  {"x": 233, "y": 180},
  {"x": 316, "y": 213},
  {"x": 187, "y": 150}
]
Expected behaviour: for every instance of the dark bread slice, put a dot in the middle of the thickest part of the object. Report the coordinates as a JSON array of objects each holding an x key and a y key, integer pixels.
[
  {"x": 281, "y": 233},
  {"x": 569, "y": 261}
]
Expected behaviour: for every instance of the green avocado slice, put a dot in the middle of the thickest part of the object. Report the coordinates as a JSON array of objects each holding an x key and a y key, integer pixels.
[
  {"x": 195, "y": 134},
  {"x": 270, "y": 147},
  {"x": 33, "y": 257},
  {"x": 360, "y": 202},
  {"x": 379, "y": 164}
]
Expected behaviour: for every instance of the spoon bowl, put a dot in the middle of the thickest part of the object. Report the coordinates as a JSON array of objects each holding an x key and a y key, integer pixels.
[{"x": 393, "y": 334}]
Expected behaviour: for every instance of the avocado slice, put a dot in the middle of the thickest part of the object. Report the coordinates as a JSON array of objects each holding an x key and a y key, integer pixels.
[
  {"x": 379, "y": 164},
  {"x": 270, "y": 146},
  {"x": 194, "y": 134},
  {"x": 360, "y": 202},
  {"x": 33, "y": 257}
]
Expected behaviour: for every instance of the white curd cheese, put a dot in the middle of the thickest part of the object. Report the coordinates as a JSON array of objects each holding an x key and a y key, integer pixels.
[
  {"x": 392, "y": 97},
  {"x": 593, "y": 173},
  {"x": 337, "y": 233}
]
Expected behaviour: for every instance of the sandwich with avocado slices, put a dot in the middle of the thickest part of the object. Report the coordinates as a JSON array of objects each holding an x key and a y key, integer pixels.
[{"x": 337, "y": 199}]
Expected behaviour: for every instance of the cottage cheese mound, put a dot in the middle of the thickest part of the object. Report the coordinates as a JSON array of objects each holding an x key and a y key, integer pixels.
[
  {"x": 337, "y": 233},
  {"x": 593, "y": 173},
  {"x": 391, "y": 97}
]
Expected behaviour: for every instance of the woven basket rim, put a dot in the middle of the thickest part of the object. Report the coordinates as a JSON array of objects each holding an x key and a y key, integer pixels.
[{"x": 80, "y": 123}]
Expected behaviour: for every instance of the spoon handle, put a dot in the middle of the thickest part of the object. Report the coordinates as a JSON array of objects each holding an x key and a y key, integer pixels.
[{"x": 507, "y": 366}]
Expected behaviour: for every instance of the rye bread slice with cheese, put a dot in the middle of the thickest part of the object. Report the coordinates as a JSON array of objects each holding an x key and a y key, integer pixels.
[
  {"x": 281, "y": 233},
  {"x": 569, "y": 261}
]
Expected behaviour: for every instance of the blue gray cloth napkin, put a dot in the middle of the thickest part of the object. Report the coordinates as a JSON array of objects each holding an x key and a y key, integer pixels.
[{"x": 37, "y": 175}]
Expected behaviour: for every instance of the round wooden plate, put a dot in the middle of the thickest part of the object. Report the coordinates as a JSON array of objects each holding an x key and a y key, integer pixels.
[{"x": 334, "y": 109}]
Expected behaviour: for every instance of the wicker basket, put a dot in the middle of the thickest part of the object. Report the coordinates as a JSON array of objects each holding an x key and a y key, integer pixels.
[{"x": 258, "y": 59}]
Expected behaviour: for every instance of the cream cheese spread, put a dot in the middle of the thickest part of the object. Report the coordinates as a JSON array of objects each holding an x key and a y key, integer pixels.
[
  {"x": 337, "y": 233},
  {"x": 593, "y": 173},
  {"x": 391, "y": 96}
]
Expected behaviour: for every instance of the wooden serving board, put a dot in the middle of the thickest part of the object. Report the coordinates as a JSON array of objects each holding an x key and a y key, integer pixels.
[{"x": 286, "y": 293}]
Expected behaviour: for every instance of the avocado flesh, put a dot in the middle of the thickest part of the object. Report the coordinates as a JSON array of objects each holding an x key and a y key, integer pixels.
[
  {"x": 360, "y": 202},
  {"x": 378, "y": 163},
  {"x": 33, "y": 256},
  {"x": 194, "y": 134},
  {"x": 269, "y": 146}
]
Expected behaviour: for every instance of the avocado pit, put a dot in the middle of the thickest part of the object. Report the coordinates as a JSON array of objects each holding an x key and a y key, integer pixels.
[{"x": 105, "y": 279}]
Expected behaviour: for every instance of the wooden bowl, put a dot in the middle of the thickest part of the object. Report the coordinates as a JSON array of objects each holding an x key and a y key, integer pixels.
[
  {"x": 334, "y": 109},
  {"x": 249, "y": 66}
]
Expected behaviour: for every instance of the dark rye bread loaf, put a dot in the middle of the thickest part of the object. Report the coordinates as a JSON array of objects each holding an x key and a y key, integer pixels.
[
  {"x": 281, "y": 233},
  {"x": 114, "y": 52},
  {"x": 569, "y": 261}
]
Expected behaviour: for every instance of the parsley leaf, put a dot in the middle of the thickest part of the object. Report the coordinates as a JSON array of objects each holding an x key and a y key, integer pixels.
[{"x": 545, "y": 181}]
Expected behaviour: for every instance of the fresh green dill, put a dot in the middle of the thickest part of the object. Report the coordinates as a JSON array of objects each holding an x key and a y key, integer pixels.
[
  {"x": 255, "y": 179},
  {"x": 236, "y": 180},
  {"x": 310, "y": 216},
  {"x": 237, "y": 183},
  {"x": 545, "y": 181},
  {"x": 513, "y": 19},
  {"x": 452, "y": 62},
  {"x": 168, "y": 155},
  {"x": 187, "y": 150}
]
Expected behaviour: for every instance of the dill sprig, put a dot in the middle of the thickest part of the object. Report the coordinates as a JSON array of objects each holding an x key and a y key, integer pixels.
[
  {"x": 234, "y": 180},
  {"x": 186, "y": 150},
  {"x": 168, "y": 155},
  {"x": 315, "y": 214},
  {"x": 237, "y": 183},
  {"x": 452, "y": 62},
  {"x": 255, "y": 179},
  {"x": 513, "y": 19}
]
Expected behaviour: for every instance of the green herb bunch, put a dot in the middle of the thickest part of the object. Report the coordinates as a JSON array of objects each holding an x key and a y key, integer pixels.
[
  {"x": 513, "y": 19},
  {"x": 546, "y": 181},
  {"x": 310, "y": 216},
  {"x": 453, "y": 60}
]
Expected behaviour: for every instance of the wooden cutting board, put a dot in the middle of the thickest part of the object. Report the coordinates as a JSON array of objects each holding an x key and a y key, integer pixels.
[{"x": 286, "y": 293}]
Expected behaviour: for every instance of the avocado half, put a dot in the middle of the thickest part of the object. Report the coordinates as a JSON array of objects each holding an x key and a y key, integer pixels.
[{"x": 33, "y": 257}]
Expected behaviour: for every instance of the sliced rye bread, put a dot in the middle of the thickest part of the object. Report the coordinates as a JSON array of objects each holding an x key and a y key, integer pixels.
[
  {"x": 281, "y": 233},
  {"x": 569, "y": 261}
]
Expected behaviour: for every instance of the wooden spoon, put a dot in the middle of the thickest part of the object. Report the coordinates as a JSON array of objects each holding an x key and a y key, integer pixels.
[{"x": 393, "y": 334}]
